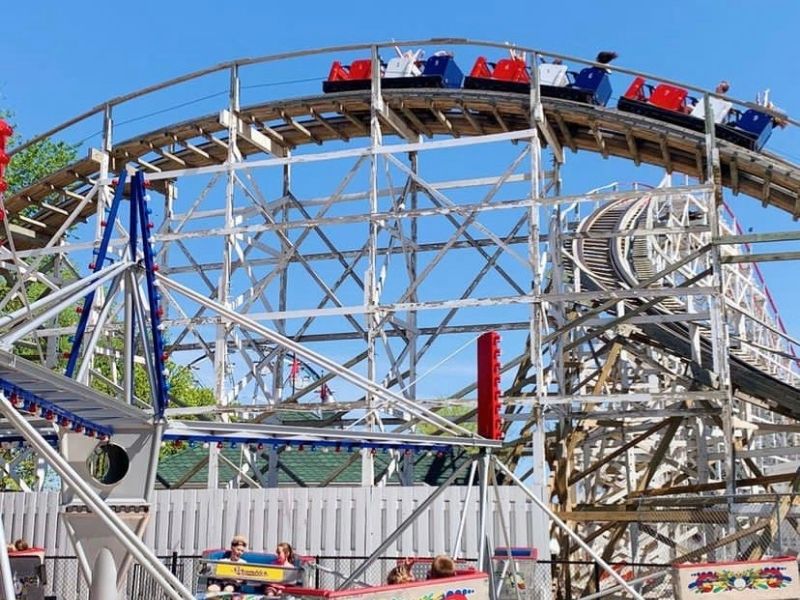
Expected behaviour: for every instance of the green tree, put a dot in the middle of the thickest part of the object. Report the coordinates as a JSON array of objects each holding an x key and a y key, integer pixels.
[{"x": 37, "y": 161}]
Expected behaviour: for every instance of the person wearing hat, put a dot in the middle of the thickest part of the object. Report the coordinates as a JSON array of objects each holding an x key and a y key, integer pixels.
[{"x": 237, "y": 550}]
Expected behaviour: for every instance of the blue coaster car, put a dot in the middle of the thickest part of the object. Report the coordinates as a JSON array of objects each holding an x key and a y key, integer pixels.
[{"x": 590, "y": 86}]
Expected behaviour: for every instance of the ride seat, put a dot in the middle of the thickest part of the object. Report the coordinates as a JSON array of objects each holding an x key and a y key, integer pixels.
[
  {"x": 511, "y": 69},
  {"x": 445, "y": 67},
  {"x": 253, "y": 558},
  {"x": 338, "y": 72},
  {"x": 402, "y": 66},
  {"x": 757, "y": 124},
  {"x": 719, "y": 107},
  {"x": 555, "y": 75},
  {"x": 361, "y": 69},
  {"x": 636, "y": 90},
  {"x": 481, "y": 69},
  {"x": 668, "y": 97},
  {"x": 595, "y": 80}
]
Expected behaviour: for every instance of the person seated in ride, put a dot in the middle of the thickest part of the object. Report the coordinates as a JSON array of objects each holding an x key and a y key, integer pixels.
[
  {"x": 238, "y": 547},
  {"x": 442, "y": 566},
  {"x": 778, "y": 120},
  {"x": 285, "y": 557},
  {"x": 604, "y": 57},
  {"x": 400, "y": 574},
  {"x": 722, "y": 88},
  {"x": 21, "y": 545}
]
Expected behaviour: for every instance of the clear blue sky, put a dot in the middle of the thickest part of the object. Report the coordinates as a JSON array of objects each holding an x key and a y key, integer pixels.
[{"x": 61, "y": 58}]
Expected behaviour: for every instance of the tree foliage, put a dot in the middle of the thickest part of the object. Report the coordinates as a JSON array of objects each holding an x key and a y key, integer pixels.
[{"x": 37, "y": 161}]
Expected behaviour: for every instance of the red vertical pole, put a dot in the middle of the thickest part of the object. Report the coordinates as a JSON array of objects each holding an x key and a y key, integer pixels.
[{"x": 490, "y": 421}]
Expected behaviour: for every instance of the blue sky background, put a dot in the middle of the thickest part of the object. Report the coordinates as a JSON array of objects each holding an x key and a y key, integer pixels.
[{"x": 61, "y": 58}]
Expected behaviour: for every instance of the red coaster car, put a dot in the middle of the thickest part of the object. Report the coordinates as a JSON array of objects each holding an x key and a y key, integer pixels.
[{"x": 672, "y": 104}]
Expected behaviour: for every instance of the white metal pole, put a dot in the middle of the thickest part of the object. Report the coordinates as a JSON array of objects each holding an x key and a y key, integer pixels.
[
  {"x": 5, "y": 565},
  {"x": 455, "y": 550}
]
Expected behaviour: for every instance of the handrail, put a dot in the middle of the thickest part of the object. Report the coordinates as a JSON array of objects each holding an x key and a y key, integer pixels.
[{"x": 241, "y": 62}]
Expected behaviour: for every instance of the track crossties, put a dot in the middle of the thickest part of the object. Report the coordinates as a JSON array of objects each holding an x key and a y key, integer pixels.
[{"x": 286, "y": 124}]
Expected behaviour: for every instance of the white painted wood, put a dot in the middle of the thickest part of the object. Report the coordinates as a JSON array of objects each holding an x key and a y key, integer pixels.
[{"x": 328, "y": 522}]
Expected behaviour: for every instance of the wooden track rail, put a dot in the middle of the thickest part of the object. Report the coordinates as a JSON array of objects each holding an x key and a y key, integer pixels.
[
  {"x": 602, "y": 268},
  {"x": 344, "y": 116}
]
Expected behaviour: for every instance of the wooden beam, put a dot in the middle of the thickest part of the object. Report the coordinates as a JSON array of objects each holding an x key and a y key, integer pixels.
[
  {"x": 717, "y": 485},
  {"x": 778, "y": 516},
  {"x": 758, "y": 238},
  {"x": 391, "y": 118},
  {"x": 762, "y": 257},
  {"x": 470, "y": 119},
  {"x": 550, "y": 137},
  {"x": 168, "y": 155},
  {"x": 499, "y": 119},
  {"x": 611, "y": 361},
  {"x": 213, "y": 139},
  {"x": 359, "y": 124},
  {"x": 608, "y": 458},
  {"x": 665, "y": 153},
  {"x": 299, "y": 127},
  {"x": 442, "y": 119},
  {"x": 250, "y": 134},
  {"x": 631, "y": 515},
  {"x": 199, "y": 151},
  {"x": 324, "y": 122},
  {"x": 601, "y": 143},
  {"x": 734, "y": 170},
  {"x": 565, "y": 132},
  {"x": 632, "y": 147},
  {"x": 766, "y": 188},
  {"x": 409, "y": 114}
]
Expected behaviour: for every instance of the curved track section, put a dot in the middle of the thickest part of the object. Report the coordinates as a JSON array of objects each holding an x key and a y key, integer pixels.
[
  {"x": 345, "y": 116},
  {"x": 608, "y": 263}
]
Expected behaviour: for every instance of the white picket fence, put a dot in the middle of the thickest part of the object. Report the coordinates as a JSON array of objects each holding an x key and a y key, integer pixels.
[{"x": 334, "y": 521}]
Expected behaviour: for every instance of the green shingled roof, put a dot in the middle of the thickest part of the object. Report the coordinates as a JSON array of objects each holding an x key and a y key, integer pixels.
[{"x": 304, "y": 468}]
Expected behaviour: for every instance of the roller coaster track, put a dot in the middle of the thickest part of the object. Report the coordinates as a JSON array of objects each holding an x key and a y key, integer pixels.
[
  {"x": 431, "y": 112},
  {"x": 614, "y": 263}
]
